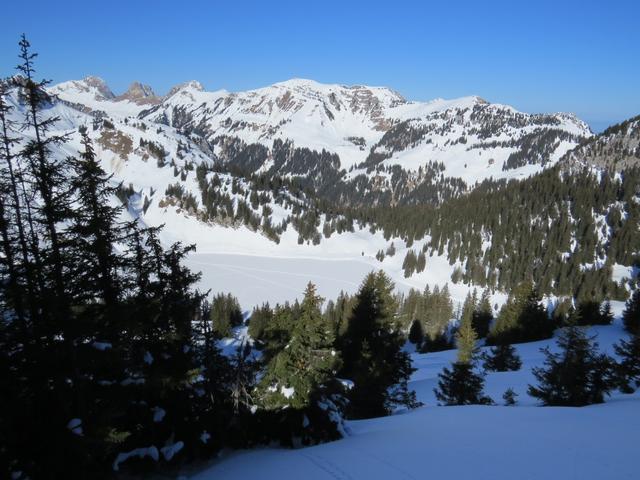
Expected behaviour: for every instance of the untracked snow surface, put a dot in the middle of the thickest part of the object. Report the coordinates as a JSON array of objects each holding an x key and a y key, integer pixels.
[{"x": 474, "y": 442}]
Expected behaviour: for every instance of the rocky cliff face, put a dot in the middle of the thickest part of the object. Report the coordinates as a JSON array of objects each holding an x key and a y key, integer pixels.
[{"x": 618, "y": 147}]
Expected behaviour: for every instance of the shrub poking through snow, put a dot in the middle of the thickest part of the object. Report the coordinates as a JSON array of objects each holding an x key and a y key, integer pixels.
[{"x": 509, "y": 397}]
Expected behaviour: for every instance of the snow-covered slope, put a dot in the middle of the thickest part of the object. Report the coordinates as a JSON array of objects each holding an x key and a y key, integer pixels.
[{"x": 472, "y": 442}]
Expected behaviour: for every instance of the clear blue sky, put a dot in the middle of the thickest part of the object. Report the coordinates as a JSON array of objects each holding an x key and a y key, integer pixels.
[{"x": 542, "y": 56}]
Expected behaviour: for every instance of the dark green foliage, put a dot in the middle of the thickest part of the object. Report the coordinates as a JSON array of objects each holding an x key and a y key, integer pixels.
[
  {"x": 416, "y": 334},
  {"x": 521, "y": 319},
  {"x": 509, "y": 397},
  {"x": 629, "y": 365},
  {"x": 421, "y": 262},
  {"x": 531, "y": 226},
  {"x": 410, "y": 263},
  {"x": 434, "y": 310},
  {"x": 100, "y": 350},
  {"x": 338, "y": 314},
  {"x": 466, "y": 341},
  {"x": 576, "y": 376},
  {"x": 372, "y": 352},
  {"x": 590, "y": 312},
  {"x": 502, "y": 358},
  {"x": 391, "y": 250},
  {"x": 225, "y": 314},
  {"x": 258, "y": 321},
  {"x": 301, "y": 377},
  {"x": 482, "y": 316},
  {"x": 631, "y": 314},
  {"x": 437, "y": 343},
  {"x": 461, "y": 385},
  {"x": 308, "y": 361}
]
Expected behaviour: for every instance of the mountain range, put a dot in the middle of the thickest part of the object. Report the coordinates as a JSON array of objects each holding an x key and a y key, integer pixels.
[
  {"x": 310, "y": 170},
  {"x": 366, "y": 130}
]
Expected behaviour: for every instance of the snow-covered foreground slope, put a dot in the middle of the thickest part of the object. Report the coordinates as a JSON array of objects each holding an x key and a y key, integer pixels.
[{"x": 473, "y": 442}]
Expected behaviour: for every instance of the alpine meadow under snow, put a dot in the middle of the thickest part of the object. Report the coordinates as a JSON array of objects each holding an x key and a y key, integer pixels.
[{"x": 313, "y": 280}]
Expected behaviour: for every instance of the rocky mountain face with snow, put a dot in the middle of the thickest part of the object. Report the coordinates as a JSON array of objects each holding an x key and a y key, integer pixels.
[
  {"x": 140, "y": 94},
  {"x": 617, "y": 148},
  {"x": 357, "y": 144}
]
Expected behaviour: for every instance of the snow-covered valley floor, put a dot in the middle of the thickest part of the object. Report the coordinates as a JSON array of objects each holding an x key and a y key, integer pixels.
[
  {"x": 255, "y": 279},
  {"x": 473, "y": 442}
]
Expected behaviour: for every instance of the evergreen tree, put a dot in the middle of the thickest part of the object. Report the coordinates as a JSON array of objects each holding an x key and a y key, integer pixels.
[
  {"x": 589, "y": 312},
  {"x": 301, "y": 377},
  {"x": 522, "y": 318},
  {"x": 416, "y": 334},
  {"x": 105, "y": 358},
  {"x": 502, "y": 358},
  {"x": 437, "y": 343},
  {"x": 409, "y": 263},
  {"x": 483, "y": 315},
  {"x": 421, "y": 262},
  {"x": 629, "y": 366},
  {"x": 258, "y": 321},
  {"x": 372, "y": 352},
  {"x": 466, "y": 341},
  {"x": 461, "y": 385},
  {"x": 631, "y": 314},
  {"x": 509, "y": 397},
  {"x": 576, "y": 376},
  {"x": 95, "y": 230},
  {"x": 225, "y": 314}
]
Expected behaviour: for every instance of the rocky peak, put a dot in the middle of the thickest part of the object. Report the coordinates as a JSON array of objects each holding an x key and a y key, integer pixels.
[
  {"x": 100, "y": 85},
  {"x": 140, "y": 94},
  {"x": 192, "y": 85}
]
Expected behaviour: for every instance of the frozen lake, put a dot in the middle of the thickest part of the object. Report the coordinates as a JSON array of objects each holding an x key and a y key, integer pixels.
[{"x": 258, "y": 279}]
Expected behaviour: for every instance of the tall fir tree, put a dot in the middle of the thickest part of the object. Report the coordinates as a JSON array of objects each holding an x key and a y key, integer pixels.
[
  {"x": 105, "y": 359},
  {"x": 631, "y": 314},
  {"x": 462, "y": 385},
  {"x": 522, "y": 318},
  {"x": 483, "y": 315},
  {"x": 300, "y": 383},
  {"x": 576, "y": 376},
  {"x": 372, "y": 352},
  {"x": 466, "y": 338},
  {"x": 502, "y": 358},
  {"x": 629, "y": 366}
]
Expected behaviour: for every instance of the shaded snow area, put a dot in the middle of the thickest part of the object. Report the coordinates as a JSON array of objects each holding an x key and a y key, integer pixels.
[{"x": 472, "y": 442}]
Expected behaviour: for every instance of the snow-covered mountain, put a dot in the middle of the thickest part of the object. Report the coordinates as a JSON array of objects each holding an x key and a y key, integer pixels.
[
  {"x": 367, "y": 130},
  {"x": 200, "y": 182}
]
